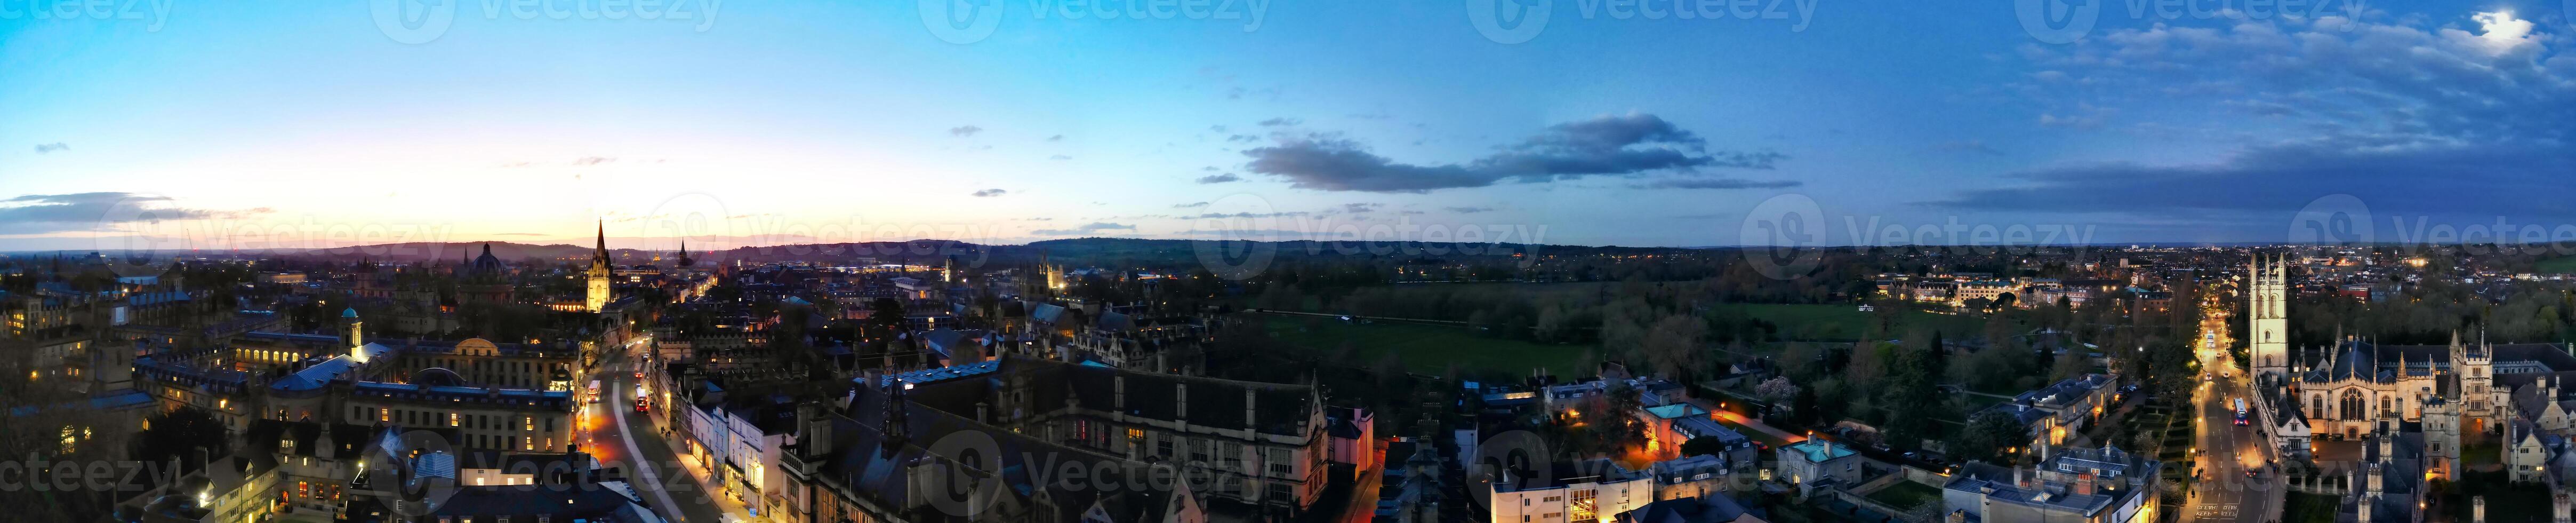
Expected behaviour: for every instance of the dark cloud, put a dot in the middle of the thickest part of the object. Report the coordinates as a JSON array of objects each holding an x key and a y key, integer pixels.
[
  {"x": 1360, "y": 207},
  {"x": 1610, "y": 145},
  {"x": 1220, "y": 178},
  {"x": 37, "y": 213},
  {"x": 2430, "y": 120},
  {"x": 1190, "y": 205},
  {"x": 1088, "y": 228},
  {"x": 988, "y": 193},
  {"x": 964, "y": 130},
  {"x": 1281, "y": 122},
  {"x": 1718, "y": 183},
  {"x": 43, "y": 148},
  {"x": 1468, "y": 210},
  {"x": 1973, "y": 146},
  {"x": 1243, "y": 138},
  {"x": 1245, "y": 215},
  {"x": 1056, "y": 138}
]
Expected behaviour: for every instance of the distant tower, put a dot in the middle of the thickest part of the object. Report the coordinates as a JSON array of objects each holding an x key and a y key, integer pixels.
[
  {"x": 948, "y": 269},
  {"x": 356, "y": 336},
  {"x": 2267, "y": 309},
  {"x": 598, "y": 297},
  {"x": 684, "y": 260}
]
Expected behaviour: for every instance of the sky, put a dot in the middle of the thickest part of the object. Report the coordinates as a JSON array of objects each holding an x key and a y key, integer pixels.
[{"x": 181, "y": 124}]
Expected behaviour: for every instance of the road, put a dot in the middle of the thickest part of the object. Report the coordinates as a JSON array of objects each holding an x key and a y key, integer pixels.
[
  {"x": 611, "y": 426},
  {"x": 2223, "y": 450}
]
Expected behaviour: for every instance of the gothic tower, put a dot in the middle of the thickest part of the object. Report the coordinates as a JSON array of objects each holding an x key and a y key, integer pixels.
[
  {"x": 2267, "y": 309},
  {"x": 598, "y": 297}
]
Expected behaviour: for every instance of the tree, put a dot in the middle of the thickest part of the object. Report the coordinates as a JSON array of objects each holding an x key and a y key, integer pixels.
[
  {"x": 1987, "y": 435},
  {"x": 1703, "y": 446},
  {"x": 1776, "y": 389},
  {"x": 178, "y": 434}
]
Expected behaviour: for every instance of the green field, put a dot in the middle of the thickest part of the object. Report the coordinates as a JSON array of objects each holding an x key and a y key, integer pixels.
[
  {"x": 2558, "y": 265},
  {"x": 1846, "y": 322},
  {"x": 1427, "y": 349},
  {"x": 1905, "y": 494}
]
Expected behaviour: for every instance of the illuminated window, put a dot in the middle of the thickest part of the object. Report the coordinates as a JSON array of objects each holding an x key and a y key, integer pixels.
[
  {"x": 528, "y": 423},
  {"x": 451, "y": 419},
  {"x": 384, "y": 415}
]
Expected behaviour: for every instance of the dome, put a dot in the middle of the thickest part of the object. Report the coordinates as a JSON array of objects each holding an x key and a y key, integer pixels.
[
  {"x": 437, "y": 377},
  {"x": 351, "y": 312}
]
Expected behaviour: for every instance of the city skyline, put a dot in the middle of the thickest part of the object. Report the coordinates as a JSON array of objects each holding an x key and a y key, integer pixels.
[{"x": 1598, "y": 129}]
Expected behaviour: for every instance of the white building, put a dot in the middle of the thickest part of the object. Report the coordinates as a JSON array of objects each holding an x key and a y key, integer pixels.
[{"x": 1570, "y": 492}]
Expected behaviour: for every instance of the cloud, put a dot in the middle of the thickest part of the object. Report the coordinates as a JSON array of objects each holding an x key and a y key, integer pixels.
[
  {"x": 1059, "y": 157},
  {"x": 1360, "y": 207},
  {"x": 1468, "y": 210},
  {"x": 1718, "y": 183},
  {"x": 1088, "y": 228},
  {"x": 1190, "y": 205},
  {"x": 1281, "y": 122},
  {"x": 1617, "y": 145},
  {"x": 2414, "y": 119},
  {"x": 1243, "y": 138},
  {"x": 1219, "y": 129},
  {"x": 1220, "y": 178},
  {"x": 1245, "y": 215},
  {"x": 43, "y": 148},
  {"x": 964, "y": 131},
  {"x": 1974, "y": 146},
  {"x": 592, "y": 160},
  {"x": 988, "y": 193},
  {"x": 1056, "y": 138},
  {"x": 38, "y": 213}
]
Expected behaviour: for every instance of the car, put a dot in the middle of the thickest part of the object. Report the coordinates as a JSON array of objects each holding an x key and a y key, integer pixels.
[
  {"x": 639, "y": 404},
  {"x": 639, "y": 374}
]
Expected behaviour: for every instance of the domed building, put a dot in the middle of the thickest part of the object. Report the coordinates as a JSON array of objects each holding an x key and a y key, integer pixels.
[{"x": 483, "y": 279}]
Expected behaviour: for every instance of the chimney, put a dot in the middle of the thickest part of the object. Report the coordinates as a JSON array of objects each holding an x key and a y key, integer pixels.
[
  {"x": 1181, "y": 404},
  {"x": 2478, "y": 509},
  {"x": 983, "y": 413},
  {"x": 2084, "y": 484},
  {"x": 2021, "y": 478},
  {"x": 1247, "y": 409},
  {"x": 1118, "y": 392},
  {"x": 2558, "y": 508},
  {"x": 2371, "y": 478}
]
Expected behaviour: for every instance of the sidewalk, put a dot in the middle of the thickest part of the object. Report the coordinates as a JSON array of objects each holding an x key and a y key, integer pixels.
[{"x": 733, "y": 510}]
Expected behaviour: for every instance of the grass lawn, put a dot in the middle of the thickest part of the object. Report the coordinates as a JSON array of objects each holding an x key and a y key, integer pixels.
[
  {"x": 2301, "y": 507},
  {"x": 1764, "y": 438},
  {"x": 1846, "y": 322},
  {"x": 1905, "y": 494},
  {"x": 2487, "y": 454},
  {"x": 1427, "y": 349},
  {"x": 2558, "y": 265}
]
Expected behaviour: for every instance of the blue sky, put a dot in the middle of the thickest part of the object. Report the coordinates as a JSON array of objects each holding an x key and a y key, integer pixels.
[{"x": 250, "y": 125}]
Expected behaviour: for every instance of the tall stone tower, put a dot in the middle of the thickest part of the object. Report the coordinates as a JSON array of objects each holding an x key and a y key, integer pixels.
[
  {"x": 598, "y": 297},
  {"x": 2267, "y": 315}
]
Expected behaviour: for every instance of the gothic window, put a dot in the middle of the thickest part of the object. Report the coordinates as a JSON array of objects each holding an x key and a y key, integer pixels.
[
  {"x": 2317, "y": 405},
  {"x": 2352, "y": 404}
]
